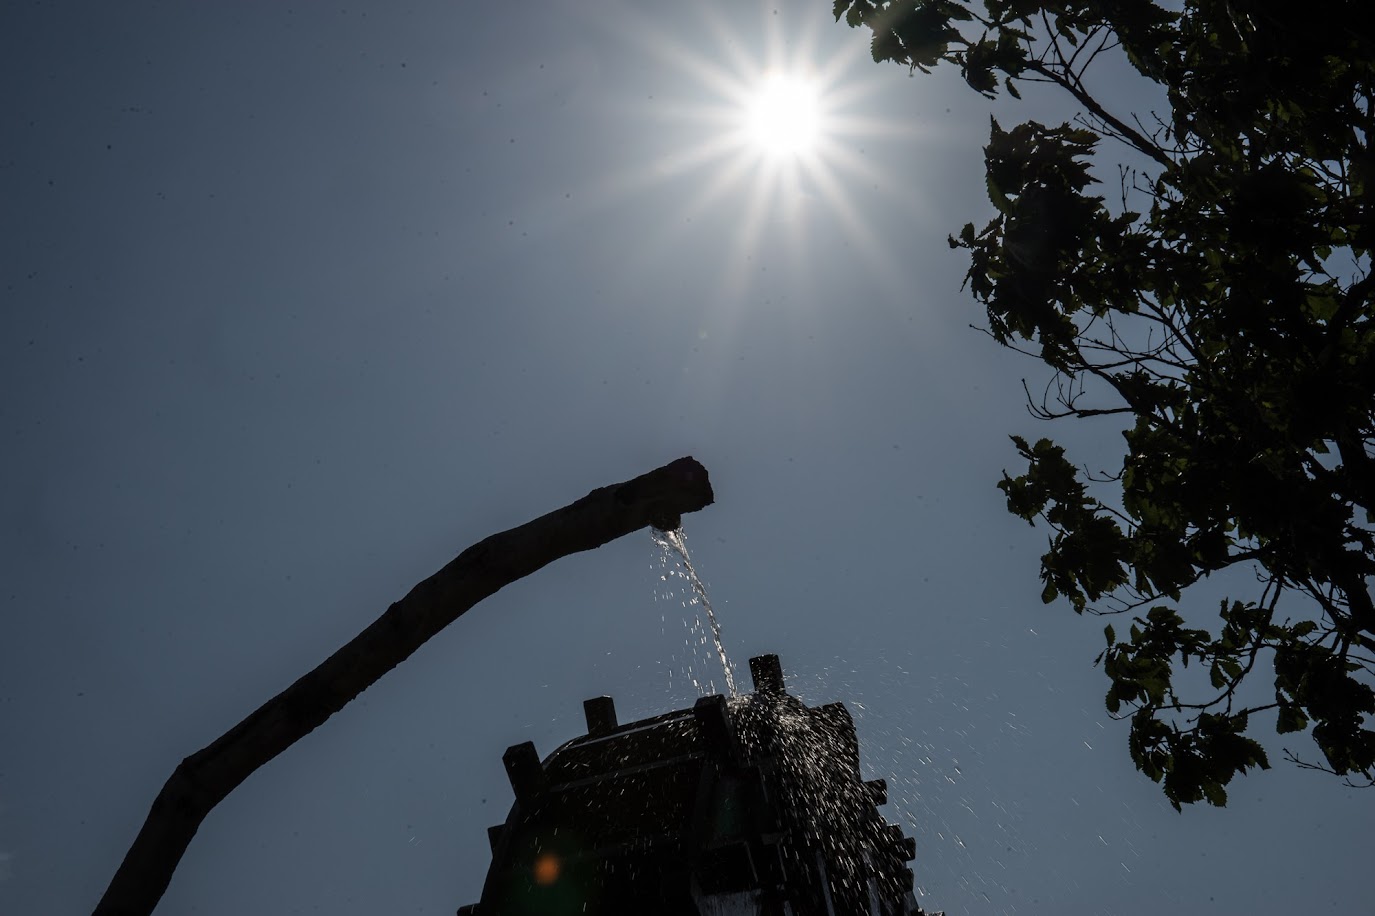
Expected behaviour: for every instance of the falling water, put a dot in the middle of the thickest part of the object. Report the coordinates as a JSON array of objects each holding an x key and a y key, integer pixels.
[{"x": 675, "y": 542}]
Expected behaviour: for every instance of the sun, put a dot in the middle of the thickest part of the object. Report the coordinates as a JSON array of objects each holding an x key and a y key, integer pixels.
[
  {"x": 783, "y": 116},
  {"x": 765, "y": 127}
]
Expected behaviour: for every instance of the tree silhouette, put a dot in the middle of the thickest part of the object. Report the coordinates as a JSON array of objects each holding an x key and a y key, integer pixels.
[{"x": 1220, "y": 307}]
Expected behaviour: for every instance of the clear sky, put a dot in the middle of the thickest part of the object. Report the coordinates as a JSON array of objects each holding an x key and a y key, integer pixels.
[{"x": 301, "y": 300}]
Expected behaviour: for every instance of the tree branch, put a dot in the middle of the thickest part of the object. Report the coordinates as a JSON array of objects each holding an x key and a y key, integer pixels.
[
  {"x": 202, "y": 780},
  {"x": 1128, "y": 134}
]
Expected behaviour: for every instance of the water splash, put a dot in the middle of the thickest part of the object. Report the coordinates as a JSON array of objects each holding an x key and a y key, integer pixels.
[{"x": 675, "y": 543}]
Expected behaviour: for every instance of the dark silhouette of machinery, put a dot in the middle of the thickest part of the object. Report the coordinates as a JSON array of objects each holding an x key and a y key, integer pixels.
[{"x": 751, "y": 805}]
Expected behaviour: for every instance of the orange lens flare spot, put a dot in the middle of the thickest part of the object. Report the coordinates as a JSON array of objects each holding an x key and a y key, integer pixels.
[{"x": 547, "y": 868}]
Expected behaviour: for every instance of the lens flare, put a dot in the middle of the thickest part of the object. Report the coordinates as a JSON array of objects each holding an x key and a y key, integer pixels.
[{"x": 547, "y": 869}]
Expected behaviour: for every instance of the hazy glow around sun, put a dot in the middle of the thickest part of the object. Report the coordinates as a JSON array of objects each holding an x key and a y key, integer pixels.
[
  {"x": 783, "y": 116},
  {"x": 767, "y": 124}
]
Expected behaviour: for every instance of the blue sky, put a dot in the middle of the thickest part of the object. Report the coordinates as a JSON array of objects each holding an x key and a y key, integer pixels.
[{"x": 300, "y": 301}]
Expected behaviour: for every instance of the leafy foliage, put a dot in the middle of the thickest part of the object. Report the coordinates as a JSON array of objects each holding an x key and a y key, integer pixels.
[{"x": 1227, "y": 321}]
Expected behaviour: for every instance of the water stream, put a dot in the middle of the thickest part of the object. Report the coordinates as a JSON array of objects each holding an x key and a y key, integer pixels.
[{"x": 674, "y": 544}]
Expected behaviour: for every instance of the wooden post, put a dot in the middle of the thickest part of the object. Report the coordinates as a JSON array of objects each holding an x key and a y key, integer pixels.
[{"x": 201, "y": 781}]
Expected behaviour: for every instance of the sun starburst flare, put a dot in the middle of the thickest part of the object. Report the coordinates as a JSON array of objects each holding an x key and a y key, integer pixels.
[{"x": 768, "y": 123}]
